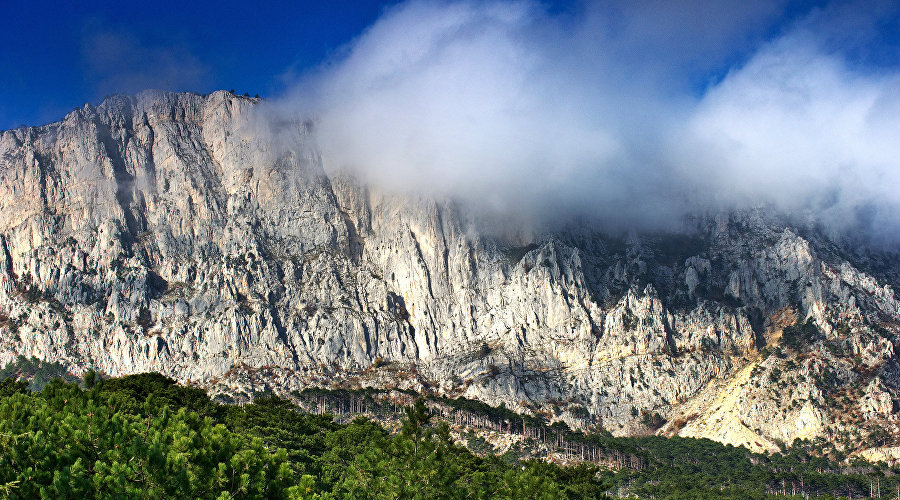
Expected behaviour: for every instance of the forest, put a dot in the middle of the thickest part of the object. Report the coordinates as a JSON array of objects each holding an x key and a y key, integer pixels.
[{"x": 144, "y": 436}]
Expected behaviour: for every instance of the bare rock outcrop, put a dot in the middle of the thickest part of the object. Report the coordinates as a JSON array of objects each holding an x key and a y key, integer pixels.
[{"x": 184, "y": 234}]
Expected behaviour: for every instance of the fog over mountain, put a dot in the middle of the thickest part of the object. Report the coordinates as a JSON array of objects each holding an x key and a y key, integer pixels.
[{"x": 632, "y": 117}]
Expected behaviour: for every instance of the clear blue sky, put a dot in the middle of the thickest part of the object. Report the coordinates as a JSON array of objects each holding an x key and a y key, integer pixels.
[{"x": 58, "y": 55}]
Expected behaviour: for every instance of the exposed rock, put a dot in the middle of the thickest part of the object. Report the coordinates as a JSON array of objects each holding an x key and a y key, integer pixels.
[
  {"x": 877, "y": 401},
  {"x": 179, "y": 233}
]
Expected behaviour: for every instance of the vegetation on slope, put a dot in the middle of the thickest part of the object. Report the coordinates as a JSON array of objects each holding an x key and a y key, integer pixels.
[{"x": 143, "y": 436}]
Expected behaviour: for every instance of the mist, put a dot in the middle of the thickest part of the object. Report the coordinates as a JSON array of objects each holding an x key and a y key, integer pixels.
[{"x": 628, "y": 117}]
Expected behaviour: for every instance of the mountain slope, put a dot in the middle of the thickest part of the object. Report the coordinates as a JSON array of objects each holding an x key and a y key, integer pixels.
[{"x": 187, "y": 235}]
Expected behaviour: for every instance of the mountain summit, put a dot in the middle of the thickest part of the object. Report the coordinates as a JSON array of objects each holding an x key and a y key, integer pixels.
[{"x": 178, "y": 233}]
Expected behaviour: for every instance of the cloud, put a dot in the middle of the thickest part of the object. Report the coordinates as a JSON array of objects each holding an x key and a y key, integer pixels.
[
  {"x": 798, "y": 128},
  {"x": 116, "y": 61},
  {"x": 596, "y": 112}
]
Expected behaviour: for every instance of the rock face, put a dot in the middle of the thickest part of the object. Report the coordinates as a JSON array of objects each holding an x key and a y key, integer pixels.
[{"x": 179, "y": 233}]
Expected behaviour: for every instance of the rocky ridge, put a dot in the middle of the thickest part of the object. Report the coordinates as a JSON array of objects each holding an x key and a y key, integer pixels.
[{"x": 183, "y": 234}]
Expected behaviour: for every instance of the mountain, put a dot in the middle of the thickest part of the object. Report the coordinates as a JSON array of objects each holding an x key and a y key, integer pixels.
[{"x": 186, "y": 234}]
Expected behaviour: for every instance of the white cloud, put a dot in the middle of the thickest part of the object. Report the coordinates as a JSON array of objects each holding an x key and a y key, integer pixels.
[
  {"x": 596, "y": 113},
  {"x": 798, "y": 128}
]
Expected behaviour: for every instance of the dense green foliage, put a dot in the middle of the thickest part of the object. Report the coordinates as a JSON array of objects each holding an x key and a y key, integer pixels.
[
  {"x": 700, "y": 468},
  {"x": 65, "y": 442},
  {"x": 144, "y": 436}
]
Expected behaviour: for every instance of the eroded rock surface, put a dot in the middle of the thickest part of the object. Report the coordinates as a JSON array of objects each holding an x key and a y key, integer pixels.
[{"x": 181, "y": 233}]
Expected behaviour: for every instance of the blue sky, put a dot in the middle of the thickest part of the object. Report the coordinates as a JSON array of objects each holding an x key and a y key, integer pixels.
[{"x": 57, "y": 55}]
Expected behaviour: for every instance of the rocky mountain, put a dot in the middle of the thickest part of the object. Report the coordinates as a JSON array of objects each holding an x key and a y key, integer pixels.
[{"x": 180, "y": 233}]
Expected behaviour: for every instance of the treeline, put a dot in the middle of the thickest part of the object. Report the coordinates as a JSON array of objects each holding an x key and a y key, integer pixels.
[
  {"x": 143, "y": 436},
  {"x": 649, "y": 466},
  {"x": 542, "y": 438},
  {"x": 37, "y": 373}
]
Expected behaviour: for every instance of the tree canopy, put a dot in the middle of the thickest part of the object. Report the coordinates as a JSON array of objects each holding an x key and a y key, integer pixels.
[{"x": 144, "y": 436}]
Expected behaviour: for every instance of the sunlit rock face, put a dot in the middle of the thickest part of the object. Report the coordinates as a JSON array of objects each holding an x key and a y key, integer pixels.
[{"x": 184, "y": 234}]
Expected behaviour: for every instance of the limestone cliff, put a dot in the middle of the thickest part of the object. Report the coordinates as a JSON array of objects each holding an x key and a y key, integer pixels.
[{"x": 181, "y": 233}]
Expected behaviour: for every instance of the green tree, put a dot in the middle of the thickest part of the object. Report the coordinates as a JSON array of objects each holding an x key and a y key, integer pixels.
[{"x": 89, "y": 379}]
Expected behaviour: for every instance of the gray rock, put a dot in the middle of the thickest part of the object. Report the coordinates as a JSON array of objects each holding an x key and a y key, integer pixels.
[{"x": 184, "y": 234}]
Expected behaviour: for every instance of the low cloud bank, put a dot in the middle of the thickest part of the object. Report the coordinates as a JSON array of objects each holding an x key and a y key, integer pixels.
[{"x": 628, "y": 117}]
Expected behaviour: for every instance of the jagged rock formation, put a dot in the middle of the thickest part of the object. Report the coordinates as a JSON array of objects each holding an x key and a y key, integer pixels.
[{"x": 183, "y": 234}]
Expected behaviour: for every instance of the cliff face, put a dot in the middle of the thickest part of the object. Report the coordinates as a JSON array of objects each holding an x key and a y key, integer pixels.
[{"x": 178, "y": 233}]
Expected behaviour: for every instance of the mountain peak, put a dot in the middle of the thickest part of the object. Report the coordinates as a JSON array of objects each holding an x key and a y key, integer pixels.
[{"x": 160, "y": 232}]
